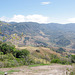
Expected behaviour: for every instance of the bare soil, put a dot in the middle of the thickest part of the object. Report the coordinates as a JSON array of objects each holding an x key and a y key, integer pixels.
[{"x": 55, "y": 69}]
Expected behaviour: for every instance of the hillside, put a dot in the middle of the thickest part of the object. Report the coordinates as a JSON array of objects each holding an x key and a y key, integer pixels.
[
  {"x": 35, "y": 34},
  {"x": 35, "y": 56},
  {"x": 11, "y": 56}
]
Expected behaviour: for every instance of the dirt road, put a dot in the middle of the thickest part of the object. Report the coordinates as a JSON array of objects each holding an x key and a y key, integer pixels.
[{"x": 40, "y": 70}]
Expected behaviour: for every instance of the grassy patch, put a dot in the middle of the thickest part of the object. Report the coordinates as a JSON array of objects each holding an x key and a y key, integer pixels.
[
  {"x": 8, "y": 72},
  {"x": 38, "y": 65},
  {"x": 2, "y": 73}
]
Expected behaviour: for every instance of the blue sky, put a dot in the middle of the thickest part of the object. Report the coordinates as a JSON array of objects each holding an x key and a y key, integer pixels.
[{"x": 41, "y": 11}]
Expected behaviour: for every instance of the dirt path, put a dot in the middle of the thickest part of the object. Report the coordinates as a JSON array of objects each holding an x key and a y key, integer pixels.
[{"x": 40, "y": 70}]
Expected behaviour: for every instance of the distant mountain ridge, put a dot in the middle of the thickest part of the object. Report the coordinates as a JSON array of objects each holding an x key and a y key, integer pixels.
[{"x": 35, "y": 34}]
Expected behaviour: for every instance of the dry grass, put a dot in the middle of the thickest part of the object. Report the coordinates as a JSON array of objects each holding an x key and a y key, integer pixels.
[
  {"x": 44, "y": 56},
  {"x": 43, "y": 50}
]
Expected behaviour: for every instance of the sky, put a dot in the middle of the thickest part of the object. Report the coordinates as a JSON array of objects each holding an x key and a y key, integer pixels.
[{"x": 41, "y": 11}]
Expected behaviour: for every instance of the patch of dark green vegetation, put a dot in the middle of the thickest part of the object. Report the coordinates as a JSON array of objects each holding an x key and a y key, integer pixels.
[
  {"x": 10, "y": 56},
  {"x": 60, "y": 50},
  {"x": 63, "y": 42}
]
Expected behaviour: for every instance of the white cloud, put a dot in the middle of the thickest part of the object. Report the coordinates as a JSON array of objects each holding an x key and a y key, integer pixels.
[
  {"x": 45, "y": 3},
  {"x": 17, "y": 18},
  {"x": 71, "y": 20},
  {"x": 37, "y": 18},
  {"x": 28, "y": 18}
]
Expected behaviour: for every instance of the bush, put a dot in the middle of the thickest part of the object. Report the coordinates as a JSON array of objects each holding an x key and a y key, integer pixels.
[
  {"x": 0, "y": 42},
  {"x": 22, "y": 53},
  {"x": 61, "y": 61},
  {"x": 10, "y": 63},
  {"x": 6, "y": 48},
  {"x": 7, "y": 57},
  {"x": 65, "y": 61},
  {"x": 1, "y": 53},
  {"x": 73, "y": 58},
  {"x": 55, "y": 60},
  {"x": 8, "y": 60}
]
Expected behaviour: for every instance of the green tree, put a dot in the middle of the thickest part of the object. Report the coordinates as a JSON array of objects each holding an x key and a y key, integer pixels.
[
  {"x": 6, "y": 48},
  {"x": 22, "y": 53}
]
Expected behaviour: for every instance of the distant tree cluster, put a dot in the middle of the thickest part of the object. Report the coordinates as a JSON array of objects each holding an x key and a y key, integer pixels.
[
  {"x": 63, "y": 42},
  {"x": 60, "y": 50}
]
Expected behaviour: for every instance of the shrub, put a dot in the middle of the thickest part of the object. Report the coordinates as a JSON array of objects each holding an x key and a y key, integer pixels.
[
  {"x": 1, "y": 53},
  {"x": 8, "y": 60},
  {"x": 55, "y": 60},
  {"x": 73, "y": 58},
  {"x": 10, "y": 63},
  {"x": 65, "y": 61},
  {"x": 61, "y": 61},
  {"x": 6, "y": 48},
  {"x": 7, "y": 57},
  {"x": 0, "y": 42},
  {"x": 22, "y": 53}
]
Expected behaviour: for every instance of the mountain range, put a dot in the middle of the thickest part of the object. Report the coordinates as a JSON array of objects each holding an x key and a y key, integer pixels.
[{"x": 35, "y": 34}]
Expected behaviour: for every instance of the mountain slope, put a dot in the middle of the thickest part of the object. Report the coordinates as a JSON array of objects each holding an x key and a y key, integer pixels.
[{"x": 35, "y": 34}]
